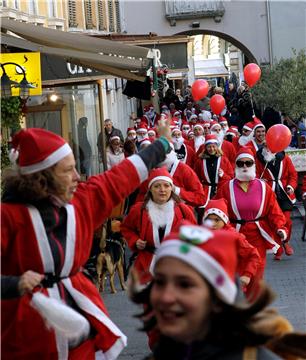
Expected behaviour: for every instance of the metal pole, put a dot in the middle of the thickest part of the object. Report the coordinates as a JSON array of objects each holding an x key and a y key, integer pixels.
[
  {"x": 269, "y": 33},
  {"x": 103, "y": 154}
]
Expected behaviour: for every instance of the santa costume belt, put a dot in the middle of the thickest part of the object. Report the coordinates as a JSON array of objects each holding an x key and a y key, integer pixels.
[
  {"x": 50, "y": 279},
  {"x": 243, "y": 222}
]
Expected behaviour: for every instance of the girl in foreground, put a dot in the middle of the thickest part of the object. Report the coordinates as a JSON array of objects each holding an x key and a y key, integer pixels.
[{"x": 193, "y": 302}]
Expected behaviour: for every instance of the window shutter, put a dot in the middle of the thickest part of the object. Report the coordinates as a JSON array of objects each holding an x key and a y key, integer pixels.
[
  {"x": 118, "y": 22},
  {"x": 111, "y": 16},
  {"x": 101, "y": 15},
  {"x": 72, "y": 14},
  {"x": 88, "y": 14}
]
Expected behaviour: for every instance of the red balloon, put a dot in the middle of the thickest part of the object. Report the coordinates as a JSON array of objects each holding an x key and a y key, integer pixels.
[
  {"x": 217, "y": 104},
  {"x": 199, "y": 89},
  {"x": 252, "y": 74},
  {"x": 278, "y": 137}
]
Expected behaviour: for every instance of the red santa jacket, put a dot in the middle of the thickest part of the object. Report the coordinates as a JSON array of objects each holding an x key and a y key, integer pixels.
[
  {"x": 229, "y": 151},
  {"x": 187, "y": 184},
  {"x": 138, "y": 225},
  {"x": 25, "y": 246},
  {"x": 269, "y": 218},
  {"x": 287, "y": 175},
  {"x": 200, "y": 168},
  {"x": 248, "y": 257}
]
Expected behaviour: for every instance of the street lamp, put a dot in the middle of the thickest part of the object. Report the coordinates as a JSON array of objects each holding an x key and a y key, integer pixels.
[{"x": 7, "y": 83}]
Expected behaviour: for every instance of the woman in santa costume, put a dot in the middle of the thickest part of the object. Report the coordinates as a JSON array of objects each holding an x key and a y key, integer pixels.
[
  {"x": 253, "y": 208},
  {"x": 149, "y": 221},
  {"x": 186, "y": 183},
  {"x": 48, "y": 222},
  {"x": 216, "y": 218},
  {"x": 212, "y": 167},
  {"x": 279, "y": 172}
]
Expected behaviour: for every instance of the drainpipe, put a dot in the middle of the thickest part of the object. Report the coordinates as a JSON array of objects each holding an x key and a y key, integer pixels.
[{"x": 269, "y": 33}]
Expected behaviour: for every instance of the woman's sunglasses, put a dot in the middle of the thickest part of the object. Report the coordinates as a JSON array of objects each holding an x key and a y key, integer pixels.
[{"x": 247, "y": 163}]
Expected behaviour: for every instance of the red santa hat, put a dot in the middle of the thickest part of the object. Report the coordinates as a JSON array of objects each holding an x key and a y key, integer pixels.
[
  {"x": 144, "y": 142},
  {"x": 193, "y": 117},
  {"x": 198, "y": 125},
  {"x": 222, "y": 120},
  {"x": 249, "y": 126},
  {"x": 142, "y": 126},
  {"x": 214, "y": 124},
  {"x": 190, "y": 132},
  {"x": 37, "y": 149},
  {"x": 232, "y": 130},
  {"x": 206, "y": 123},
  {"x": 177, "y": 114},
  {"x": 130, "y": 129},
  {"x": 213, "y": 254},
  {"x": 115, "y": 137},
  {"x": 159, "y": 174},
  {"x": 175, "y": 129},
  {"x": 151, "y": 131},
  {"x": 217, "y": 207},
  {"x": 185, "y": 124},
  {"x": 257, "y": 123},
  {"x": 211, "y": 139},
  {"x": 245, "y": 152}
]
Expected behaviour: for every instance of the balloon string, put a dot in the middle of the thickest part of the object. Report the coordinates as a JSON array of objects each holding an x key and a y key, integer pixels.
[{"x": 252, "y": 104}]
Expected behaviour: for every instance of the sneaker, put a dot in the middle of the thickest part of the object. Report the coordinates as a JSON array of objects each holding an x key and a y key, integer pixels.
[
  {"x": 288, "y": 249},
  {"x": 278, "y": 254}
]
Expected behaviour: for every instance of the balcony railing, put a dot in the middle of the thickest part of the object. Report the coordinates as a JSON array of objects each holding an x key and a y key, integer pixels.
[{"x": 180, "y": 9}]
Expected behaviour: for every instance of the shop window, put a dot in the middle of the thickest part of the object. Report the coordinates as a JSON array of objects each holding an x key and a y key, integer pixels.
[
  {"x": 32, "y": 6},
  {"x": 52, "y": 8},
  {"x": 72, "y": 14}
]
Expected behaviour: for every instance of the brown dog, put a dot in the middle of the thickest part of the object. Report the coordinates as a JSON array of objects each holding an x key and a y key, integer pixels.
[{"x": 111, "y": 258}]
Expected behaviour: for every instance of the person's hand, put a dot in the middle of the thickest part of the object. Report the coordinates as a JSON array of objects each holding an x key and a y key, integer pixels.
[
  {"x": 163, "y": 129},
  {"x": 140, "y": 244},
  {"x": 281, "y": 234},
  {"x": 220, "y": 172},
  {"x": 244, "y": 280},
  {"x": 28, "y": 281}
]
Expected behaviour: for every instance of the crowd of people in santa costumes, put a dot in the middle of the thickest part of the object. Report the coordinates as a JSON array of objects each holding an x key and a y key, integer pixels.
[
  {"x": 48, "y": 221},
  {"x": 203, "y": 166}
]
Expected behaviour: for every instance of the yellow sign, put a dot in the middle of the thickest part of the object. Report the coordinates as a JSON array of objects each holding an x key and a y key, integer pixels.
[{"x": 22, "y": 67}]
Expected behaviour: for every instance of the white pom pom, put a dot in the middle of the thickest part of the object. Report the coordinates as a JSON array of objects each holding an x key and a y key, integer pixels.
[
  {"x": 13, "y": 156},
  {"x": 61, "y": 317}
]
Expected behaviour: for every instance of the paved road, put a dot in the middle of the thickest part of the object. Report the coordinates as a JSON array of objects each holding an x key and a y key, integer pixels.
[{"x": 287, "y": 277}]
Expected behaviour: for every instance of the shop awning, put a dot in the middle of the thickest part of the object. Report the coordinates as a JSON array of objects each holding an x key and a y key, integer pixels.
[
  {"x": 111, "y": 57},
  {"x": 210, "y": 68}
]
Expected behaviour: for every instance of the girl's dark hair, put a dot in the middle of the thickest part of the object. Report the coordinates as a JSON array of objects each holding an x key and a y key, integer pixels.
[
  {"x": 31, "y": 187},
  {"x": 228, "y": 324}
]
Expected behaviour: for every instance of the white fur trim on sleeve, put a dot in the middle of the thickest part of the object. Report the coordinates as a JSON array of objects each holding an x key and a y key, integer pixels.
[
  {"x": 140, "y": 166},
  {"x": 177, "y": 190},
  {"x": 290, "y": 187}
]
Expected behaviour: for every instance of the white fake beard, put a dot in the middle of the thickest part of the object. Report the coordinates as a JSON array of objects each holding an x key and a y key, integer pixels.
[
  {"x": 177, "y": 142},
  {"x": 208, "y": 223},
  {"x": 219, "y": 136},
  {"x": 243, "y": 175},
  {"x": 243, "y": 140},
  {"x": 161, "y": 214},
  {"x": 169, "y": 161},
  {"x": 198, "y": 141},
  {"x": 267, "y": 155},
  {"x": 131, "y": 137},
  {"x": 141, "y": 137}
]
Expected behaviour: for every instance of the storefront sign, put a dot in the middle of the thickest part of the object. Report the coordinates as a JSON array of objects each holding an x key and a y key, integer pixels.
[
  {"x": 22, "y": 67},
  {"x": 298, "y": 158}
]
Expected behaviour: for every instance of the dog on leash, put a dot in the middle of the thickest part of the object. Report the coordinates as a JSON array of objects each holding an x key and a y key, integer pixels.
[{"x": 111, "y": 257}]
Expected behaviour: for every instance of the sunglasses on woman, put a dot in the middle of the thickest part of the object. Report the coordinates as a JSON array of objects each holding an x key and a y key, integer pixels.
[{"x": 247, "y": 163}]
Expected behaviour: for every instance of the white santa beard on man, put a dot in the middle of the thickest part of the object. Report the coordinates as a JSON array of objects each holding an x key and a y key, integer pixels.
[
  {"x": 245, "y": 174},
  {"x": 244, "y": 139},
  {"x": 141, "y": 137},
  {"x": 169, "y": 161},
  {"x": 131, "y": 137},
  {"x": 198, "y": 141},
  {"x": 220, "y": 136},
  {"x": 267, "y": 155},
  {"x": 177, "y": 142},
  {"x": 161, "y": 214}
]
